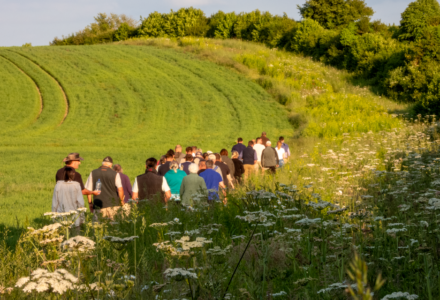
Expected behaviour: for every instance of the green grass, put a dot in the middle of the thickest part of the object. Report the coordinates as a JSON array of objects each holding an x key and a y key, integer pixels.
[
  {"x": 125, "y": 101},
  {"x": 20, "y": 99}
]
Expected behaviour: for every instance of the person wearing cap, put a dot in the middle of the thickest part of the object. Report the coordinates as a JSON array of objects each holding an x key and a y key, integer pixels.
[
  {"x": 199, "y": 157},
  {"x": 264, "y": 138},
  {"x": 192, "y": 184},
  {"x": 112, "y": 192},
  {"x": 269, "y": 158},
  {"x": 73, "y": 160},
  {"x": 249, "y": 159},
  {"x": 150, "y": 185},
  {"x": 239, "y": 147}
]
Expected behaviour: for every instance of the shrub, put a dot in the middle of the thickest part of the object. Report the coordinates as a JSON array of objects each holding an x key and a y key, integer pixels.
[{"x": 419, "y": 15}]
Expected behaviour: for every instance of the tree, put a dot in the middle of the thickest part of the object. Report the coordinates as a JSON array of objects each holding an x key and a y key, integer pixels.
[
  {"x": 335, "y": 13},
  {"x": 418, "y": 16}
]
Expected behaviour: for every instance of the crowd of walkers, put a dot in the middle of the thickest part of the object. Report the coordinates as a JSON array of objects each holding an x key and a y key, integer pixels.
[{"x": 177, "y": 176}]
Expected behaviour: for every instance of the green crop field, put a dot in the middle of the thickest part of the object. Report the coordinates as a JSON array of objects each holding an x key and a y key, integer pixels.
[{"x": 129, "y": 102}]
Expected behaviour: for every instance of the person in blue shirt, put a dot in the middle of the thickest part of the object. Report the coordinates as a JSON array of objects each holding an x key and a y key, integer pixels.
[
  {"x": 285, "y": 147},
  {"x": 213, "y": 181},
  {"x": 239, "y": 147}
]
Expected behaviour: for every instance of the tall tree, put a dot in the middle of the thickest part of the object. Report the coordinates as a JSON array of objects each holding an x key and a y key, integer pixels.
[
  {"x": 418, "y": 16},
  {"x": 335, "y": 13}
]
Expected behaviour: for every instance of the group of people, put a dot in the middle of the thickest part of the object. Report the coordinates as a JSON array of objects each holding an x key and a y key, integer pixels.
[{"x": 176, "y": 176}]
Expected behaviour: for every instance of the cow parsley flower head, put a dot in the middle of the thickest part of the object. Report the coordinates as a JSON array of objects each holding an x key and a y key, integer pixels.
[
  {"x": 397, "y": 295},
  {"x": 179, "y": 274},
  {"x": 308, "y": 222},
  {"x": 79, "y": 243},
  {"x": 42, "y": 280},
  {"x": 118, "y": 240}
]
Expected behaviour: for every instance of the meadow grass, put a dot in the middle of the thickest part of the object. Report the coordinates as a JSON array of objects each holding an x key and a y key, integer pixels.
[
  {"x": 369, "y": 194},
  {"x": 20, "y": 99},
  {"x": 125, "y": 101}
]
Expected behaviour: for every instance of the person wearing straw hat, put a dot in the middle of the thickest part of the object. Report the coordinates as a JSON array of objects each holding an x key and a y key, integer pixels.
[{"x": 73, "y": 160}]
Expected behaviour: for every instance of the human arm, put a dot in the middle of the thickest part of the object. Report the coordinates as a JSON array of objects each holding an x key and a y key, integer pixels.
[
  {"x": 276, "y": 156},
  {"x": 167, "y": 197},
  {"x": 135, "y": 190},
  {"x": 222, "y": 187},
  {"x": 255, "y": 157},
  {"x": 230, "y": 181},
  {"x": 166, "y": 189},
  {"x": 118, "y": 184}
]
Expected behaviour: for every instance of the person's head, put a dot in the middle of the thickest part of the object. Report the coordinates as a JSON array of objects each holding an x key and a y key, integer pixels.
[
  {"x": 279, "y": 144},
  {"x": 199, "y": 154},
  {"x": 281, "y": 139},
  {"x": 224, "y": 152},
  {"x": 150, "y": 163},
  {"x": 217, "y": 157},
  {"x": 268, "y": 143},
  {"x": 162, "y": 159},
  {"x": 170, "y": 155},
  {"x": 212, "y": 157},
  {"x": 253, "y": 141},
  {"x": 239, "y": 140},
  {"x": 73, "y": 160},
  {"x": 259, "y": 140},
  {"x": 193, "y": 168},
  {"x": 235, "y": 154},
  {"x": 178, "y": 148},
  {"x": 263, "y": 133},
  {"x": 194, "y": 149},
  {"x": 108, "y": 162},
  {"x": 117, "y": 168},
  {"x": 69, "y": 174},
  {"x": 189, "y": 157},
  {"x": 189, "y": 150},
  {"x": 209, "y": 164},
  {"x": 250, "y": 144},
  {"x": 205, "y": 155},
  {"x": 202, "y": 165},
  {"x": 174, "y": 165}
]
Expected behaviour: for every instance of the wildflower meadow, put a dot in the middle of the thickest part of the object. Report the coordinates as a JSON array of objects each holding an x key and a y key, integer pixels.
[{"x": 353, "y": 217}]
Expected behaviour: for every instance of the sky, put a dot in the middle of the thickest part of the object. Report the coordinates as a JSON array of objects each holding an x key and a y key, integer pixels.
[{"x": 40, "y": 21}]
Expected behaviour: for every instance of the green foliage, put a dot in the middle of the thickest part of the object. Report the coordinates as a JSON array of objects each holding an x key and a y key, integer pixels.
[
  {"x": 335, "y": 13},
  {"x": 419, "y": 15},
  {"x": 27, "y": 45},
  {"x": 184, "y": 22},
  {"x": 123, "y": 32}
]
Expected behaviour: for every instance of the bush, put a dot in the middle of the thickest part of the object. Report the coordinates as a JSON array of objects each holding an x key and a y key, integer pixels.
[{"x": 419, "y": 15}]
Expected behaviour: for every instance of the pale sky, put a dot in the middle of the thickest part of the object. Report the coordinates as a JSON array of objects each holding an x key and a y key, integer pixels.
[{"x": 39, "y": 21}]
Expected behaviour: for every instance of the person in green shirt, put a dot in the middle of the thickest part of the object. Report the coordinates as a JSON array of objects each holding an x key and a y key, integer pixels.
[
  {"x": 174, "y": 179},
  {"x": 192, "y": 184}
]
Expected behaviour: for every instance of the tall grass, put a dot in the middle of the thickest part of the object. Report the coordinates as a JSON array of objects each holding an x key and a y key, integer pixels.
[{"x": 364, "y": 200}]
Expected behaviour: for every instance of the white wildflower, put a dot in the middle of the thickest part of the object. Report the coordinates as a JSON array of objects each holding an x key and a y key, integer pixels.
[{"x": 396, "y": 295}]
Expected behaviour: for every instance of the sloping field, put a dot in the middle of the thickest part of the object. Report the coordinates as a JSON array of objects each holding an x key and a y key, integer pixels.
[{"x": 129, "y": 102}]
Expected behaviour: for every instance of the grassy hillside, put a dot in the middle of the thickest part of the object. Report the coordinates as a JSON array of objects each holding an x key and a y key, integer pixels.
[{"x": 125, "y": 101}]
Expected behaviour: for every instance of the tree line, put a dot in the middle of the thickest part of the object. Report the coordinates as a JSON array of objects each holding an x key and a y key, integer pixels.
[{"x": 401, "y": 61}]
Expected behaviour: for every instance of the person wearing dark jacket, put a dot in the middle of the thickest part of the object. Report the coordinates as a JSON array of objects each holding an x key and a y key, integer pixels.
[
  {"x": 249, "y": 159},
  {"x": 238, "y": 166},
  {"x": 226, "y": 172},
  {"x": 224, "y": 157},
  {"x": 269, "y": 158},
  {"x": 163, "y": 169},
  {"x": 239, "y": 147},
  {"x": 126, "y": 184},
  {"x": 151, "y": 186}
]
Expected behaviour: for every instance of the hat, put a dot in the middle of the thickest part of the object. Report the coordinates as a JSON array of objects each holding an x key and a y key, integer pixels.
[
  {"x": 209, "y": 152},
  {"x": 199, "y": 154},
  {"x": 72, "y": 157},
  {"x": 108, "y": 159}
]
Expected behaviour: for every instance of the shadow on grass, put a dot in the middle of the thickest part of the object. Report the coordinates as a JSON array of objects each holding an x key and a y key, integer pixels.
[{"x": 11, "y": 234}]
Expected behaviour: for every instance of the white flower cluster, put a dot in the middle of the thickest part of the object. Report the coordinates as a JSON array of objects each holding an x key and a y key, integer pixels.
[
  {"x": 308, "y": 222},
  {"x": 335, "y": 286},
  {"x": 320, "y": 205},
  {"x": 217, "y": 251},
  {"x": 79, "y": 243},
  {"x": 396, "y": 295},
  {"x": 188, "y": 245},
  {"x": 395, "y": 230},
  {"x": 46, "y": 229},
  {"x": 179, "y": 274},
  {"x": 158, "y": 225},
  {"x": 41, "y": 280},
  {"x": 118, "y": 240}
]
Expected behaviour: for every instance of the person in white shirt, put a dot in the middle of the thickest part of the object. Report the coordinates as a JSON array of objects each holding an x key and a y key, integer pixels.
[
  {"x": 281, "y": 153},
  {"x": 259, "y": 147}
]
